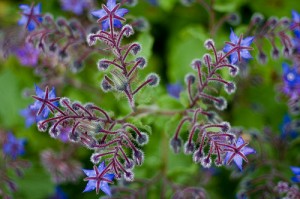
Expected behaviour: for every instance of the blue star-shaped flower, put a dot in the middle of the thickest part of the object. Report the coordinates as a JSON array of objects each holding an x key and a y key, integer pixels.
[
  {"x": 28, "y": 55},
  {"x": 174, "y": 90},
  {"x": 110, "y": 12},
  {"x": 45, "y": 101},
  {"x": 296, "y": 171},
  {"x": 286, "y": 128},
  {"x": 30, "y": 115},
  {"x": 76, "y": 6},
  {"x": 238, "y": 47},
  {"x": 98, "y": 179},
  {"x": 295, "y": 23},
  {"x": 13, "y": 147},
  {"x": 31, "y": 16},
  {"x": 238, "y": 153},
  {"x": 291, "y": 79}
]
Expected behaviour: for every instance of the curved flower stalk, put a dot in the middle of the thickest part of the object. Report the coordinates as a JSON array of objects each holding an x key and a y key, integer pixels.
[
  {"x": 123, "y": 69},
  {"x": 112, "y": 140},
  {"x": 207, "y": 135}
]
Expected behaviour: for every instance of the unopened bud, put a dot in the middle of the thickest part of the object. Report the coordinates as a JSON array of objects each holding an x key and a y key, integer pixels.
[
  {"x": 189, "y": 78},
  {"x": 138, "y": 157},
  {"x": 220, "y": 103},
  {"x": 189, "y": 147},
  {"x": 154, "y": 79},
  {"x": 175, "y": 144},
  {"x": 143, "y": 138},
  {"x": 141, "y": 61},
  {"x": 230, "y": 87},
  {"x": 102, "y": 64}
]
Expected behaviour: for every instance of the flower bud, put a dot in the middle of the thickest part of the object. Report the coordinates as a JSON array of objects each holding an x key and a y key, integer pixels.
[
  {"x": 209, "y": 43},
  {"x": 197, "y": 156},
  {"x": 234, "y": 70},
  {"x": 189, "y": 78},
  {"x": 189, "y": 147},
  {"x": 138, "y": 157},
  {"x": 154, "y": 79},
  {"x": 105, "y": 85},
  {"x": 220, "y": 103},
  {"x": 102, "y": 64},
  {"x": 196, "y": 63},
  {"x": 206, "y": 162},
  {"x": 142, "y": 139},
  {"x": 225, "y": 127},
  {"x": 129, "y": 164},
  {"x": 128, "y": 175},
  {"x": 175, "y": 144},
  {"x": 142, "y": 62},
  {"x": 128, "y": 30},
  {"x": 230, "y": 87}
]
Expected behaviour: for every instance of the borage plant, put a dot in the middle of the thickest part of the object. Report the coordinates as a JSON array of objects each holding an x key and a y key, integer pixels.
[{"x": 112, "y": 139}]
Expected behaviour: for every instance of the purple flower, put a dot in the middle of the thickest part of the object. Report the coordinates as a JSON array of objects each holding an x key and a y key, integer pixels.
[
  {"x": 238, "y": 153},
  {"x": 287, "y": 129},
  {"x": 296, "y": 171},
  {"x": 295, "y": 24},
  {"x": 97, "y": 179},
  {"x": 13, "y": 147},
  {"x": 76, "y": 6},
  {"x": 238, "y": 47},
  {"x": 28, "y": 55},
  {"x": 30, "y": 115},
  {"x": 64, "y": 133},
  {"x": 31, "y": 16},
  {"x": 174, "y": 90},
  {"x": 291, "y": 79},
  {"x": 111, "y": 12},
  {"x": 45, "y": 101}
]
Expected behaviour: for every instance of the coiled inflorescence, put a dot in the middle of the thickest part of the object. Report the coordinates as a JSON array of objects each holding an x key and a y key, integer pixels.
[{"x": 207, "y": 135}]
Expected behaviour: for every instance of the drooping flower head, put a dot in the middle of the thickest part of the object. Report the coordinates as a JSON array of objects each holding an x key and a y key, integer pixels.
[
  {"x": 98, "y": 179},
  {"x": 238, "y": 153},
  {"x": 75, "y": 6},
  {"x": 13, "y": 147},
  {"x": 296, "y": 171},
  {"x": 174, "y": 90},
  {"x": 45, "y": 101},
  {"x": 31, "y": 16},
  {"x": 291, "y": 80},
  {"x": 295, "y": 23},
  {"x": 110, "y": 12},
  {"x": 28, "y": 55},
  {"x": 238, "y": 48}
]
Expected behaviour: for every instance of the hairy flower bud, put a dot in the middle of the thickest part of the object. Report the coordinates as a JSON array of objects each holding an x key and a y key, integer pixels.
[
  {"x": 138, "y": 157},
  {"x": 102, "y": 64},
  {"x": 209, "y": 43},
  {"x": 128, "y": 175},
  {"x": 189, "y": 147},
  {"x": 196, "y": 63},
  {"x": 129, "y": 164},
  {"x": 128, "y": 30},
  {"x": 175, "y": 144},
  {"x": 225, "y": 127},
  {"x": 230, "y": 87},
  {"x": 220, "y": 103},
  {"x": 74, "y": 136},
  {"x": 143, "y": 138},
  {"x": 257, "y": 18},
  {"x": 140, "y": 24},
  {"x": 105, "y": 85},
  {"x": 154, "y": 79},
  {"x": 190, "y": 78},
  {"x": 206, "y": 162},
  {"x": 142, "y": 62},
  {"x": 233, "y": 71},
  {"x": 197, "y": 156}
]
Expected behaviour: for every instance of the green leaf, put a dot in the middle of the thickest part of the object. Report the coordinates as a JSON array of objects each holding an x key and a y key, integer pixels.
[
  {"x": 167, "y": 5},
  {"x": 35, "y": 184},
  {"x": 183, "y": 48},
  {"x": 227, "y": 5}
]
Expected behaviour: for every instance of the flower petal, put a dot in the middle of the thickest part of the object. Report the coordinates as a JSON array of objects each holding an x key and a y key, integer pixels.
[
  {"x": 295, "y": 170},
  {"x": 233, "y": 37},
  {"x": 99, "y": 13},
  {"x": 121, "y": 12},
  {"x": 111, "y": 4},
  {"x": 89, "y": 173},
  {"x": 238, "y": 161},
  {"x": 105, "y": 188},
  {"x": 91, "y": 185}
]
